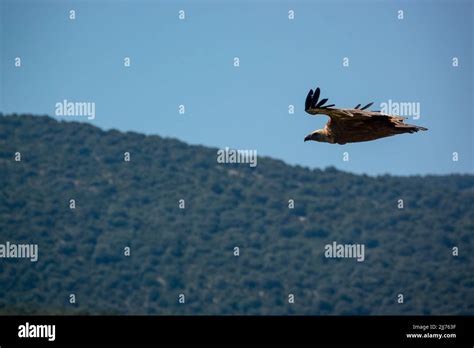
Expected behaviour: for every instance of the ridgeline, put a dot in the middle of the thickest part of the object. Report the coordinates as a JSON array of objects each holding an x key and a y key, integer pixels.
[{"x": 83, "y": 244}]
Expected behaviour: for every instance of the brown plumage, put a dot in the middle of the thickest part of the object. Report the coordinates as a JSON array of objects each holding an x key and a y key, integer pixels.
[{"x": 354, "y": 125}]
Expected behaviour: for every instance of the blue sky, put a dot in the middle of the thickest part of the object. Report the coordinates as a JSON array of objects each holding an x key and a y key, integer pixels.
[{"x": 190, "y": 62}]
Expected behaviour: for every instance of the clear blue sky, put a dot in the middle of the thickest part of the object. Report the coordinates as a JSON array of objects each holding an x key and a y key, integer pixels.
[{"x": 191, "y": 62}]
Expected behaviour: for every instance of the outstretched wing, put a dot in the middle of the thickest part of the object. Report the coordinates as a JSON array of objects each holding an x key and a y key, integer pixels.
[
  {"x": 313, "y": 105},
  {"x": 361, "y": 125}
]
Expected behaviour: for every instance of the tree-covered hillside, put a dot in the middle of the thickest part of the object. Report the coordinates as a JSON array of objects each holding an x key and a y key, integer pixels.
[{"x": 190, "y": 251}]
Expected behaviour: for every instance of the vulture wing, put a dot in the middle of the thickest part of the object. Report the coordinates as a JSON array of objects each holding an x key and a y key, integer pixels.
[{"x": 355, "y": 125}]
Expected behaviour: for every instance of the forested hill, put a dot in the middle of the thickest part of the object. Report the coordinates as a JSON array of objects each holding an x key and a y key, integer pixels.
[{"x": 191, "y": 251}]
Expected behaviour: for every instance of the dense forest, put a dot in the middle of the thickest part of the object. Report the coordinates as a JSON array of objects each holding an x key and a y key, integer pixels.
[{"x": 191, "y": 251}]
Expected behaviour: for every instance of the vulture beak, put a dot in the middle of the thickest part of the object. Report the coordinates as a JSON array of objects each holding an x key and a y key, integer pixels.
[{"x": 308, "y": 137}]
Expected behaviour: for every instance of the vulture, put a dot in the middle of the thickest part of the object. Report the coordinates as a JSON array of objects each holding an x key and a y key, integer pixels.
[{"x": 353, "y": 125}]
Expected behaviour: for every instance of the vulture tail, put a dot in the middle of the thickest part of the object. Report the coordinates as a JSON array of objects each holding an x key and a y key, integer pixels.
[{"x": 410, "y": 128}]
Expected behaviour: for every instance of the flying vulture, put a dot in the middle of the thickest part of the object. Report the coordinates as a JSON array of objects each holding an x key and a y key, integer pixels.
[{"x": 353, "y": 125}]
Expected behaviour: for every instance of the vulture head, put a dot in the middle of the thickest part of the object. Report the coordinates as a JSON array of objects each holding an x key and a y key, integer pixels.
[{"x": 318, "y": 135}]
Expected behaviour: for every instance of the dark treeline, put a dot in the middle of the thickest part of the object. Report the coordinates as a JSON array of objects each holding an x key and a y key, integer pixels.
[{"x": 190, "y": 251}]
